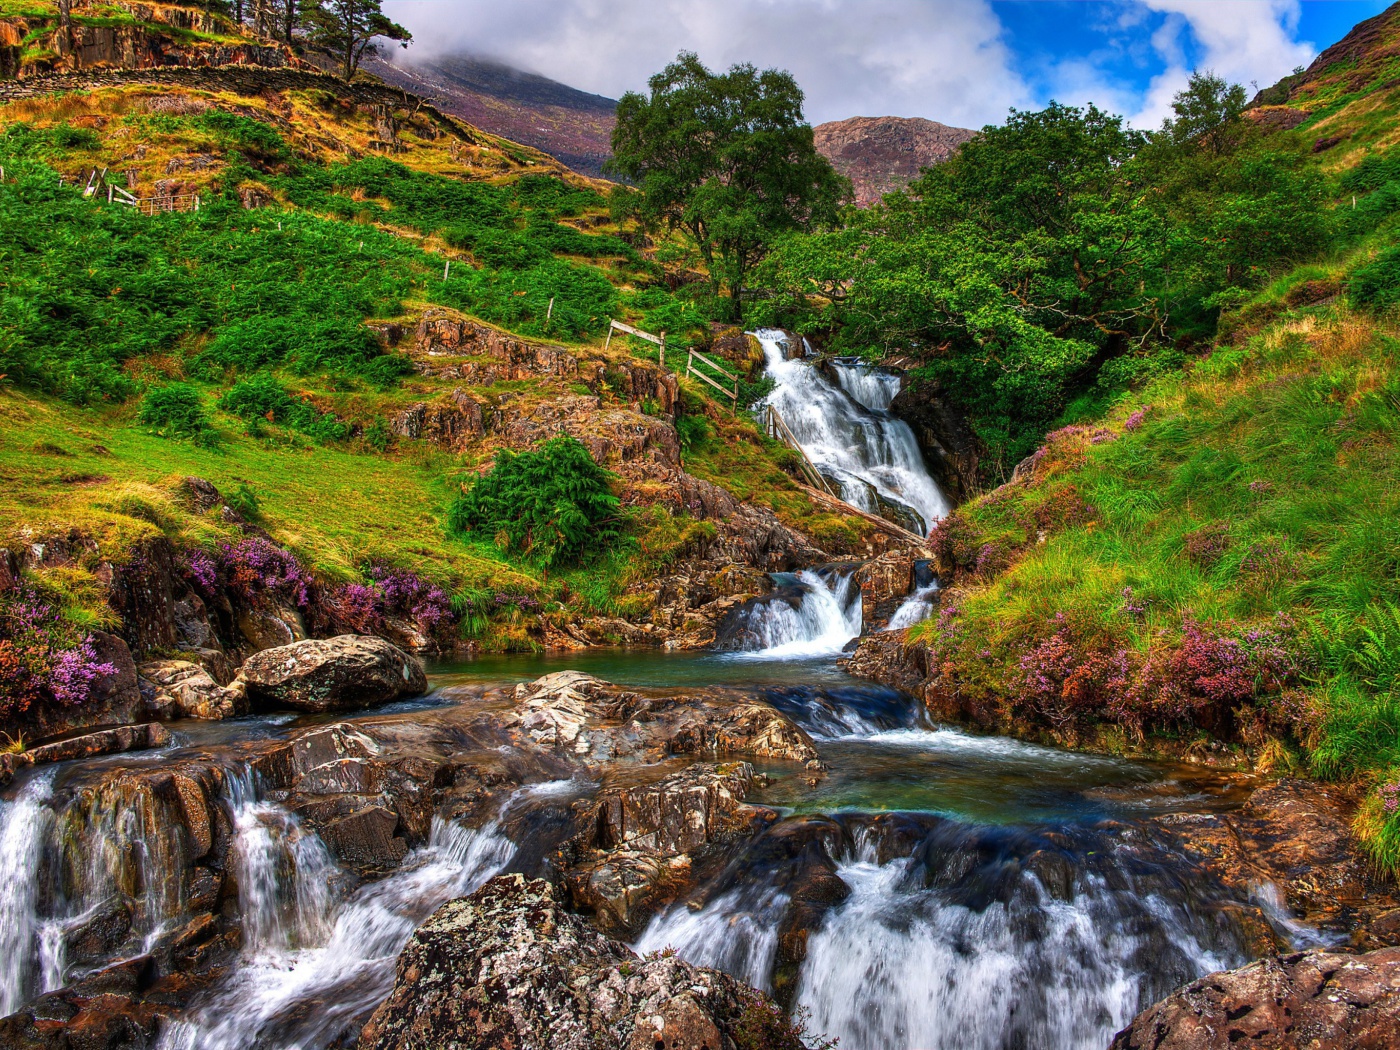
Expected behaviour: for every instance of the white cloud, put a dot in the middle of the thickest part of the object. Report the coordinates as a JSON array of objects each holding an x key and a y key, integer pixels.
[
  {"x": 1244, "y": 41},
  {"x": 942, "y": 59}
]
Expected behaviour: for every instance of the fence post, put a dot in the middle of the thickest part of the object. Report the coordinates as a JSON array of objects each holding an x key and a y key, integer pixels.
[
  {"x": 608, "y": 342},
  {"x": 550, "y": 312},
  {"x": 661, "y": 349},
  {"x": 446, "y": 269}
]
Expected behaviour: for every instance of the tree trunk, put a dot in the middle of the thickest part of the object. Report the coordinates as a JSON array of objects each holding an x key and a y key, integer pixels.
[
  {"x": 238, "y": 12},
  {"x": 65, "y": 26},
  {"x": 291, "y": 19},
  {"x": 348, "y": 6}
]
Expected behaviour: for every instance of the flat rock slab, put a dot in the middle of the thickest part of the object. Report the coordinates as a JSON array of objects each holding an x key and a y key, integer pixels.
[
  {"x": 1315, "y": 1000},
  {"x": 334, "y": 674},
  {"x": 89, "y": 745}
]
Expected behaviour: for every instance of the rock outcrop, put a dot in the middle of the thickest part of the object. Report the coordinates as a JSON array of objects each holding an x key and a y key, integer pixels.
[
  {"x": 174, "y": 689},
  {"x": 1306, "y": 1001},
  {"x": 593, "y": 721},
  {"x": 509, "y": 967},
  {"x": 335, "y": 674}
]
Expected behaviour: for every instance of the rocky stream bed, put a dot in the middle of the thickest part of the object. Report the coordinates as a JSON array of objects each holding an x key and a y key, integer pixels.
[{"x": 565, "y": 862}]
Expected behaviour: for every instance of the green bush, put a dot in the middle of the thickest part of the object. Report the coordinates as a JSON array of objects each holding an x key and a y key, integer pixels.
[
  {"x": 262, "y": 397},
  {"x": 1377, "y": 284},
  {"x": 552, "y": 505},
  {"x": 176, "y": 410}
]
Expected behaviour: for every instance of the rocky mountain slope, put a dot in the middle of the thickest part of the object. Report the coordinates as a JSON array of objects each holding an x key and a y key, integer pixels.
[
  {"x": 881, "y": 154},
  {"x": 572, "y": 126}
]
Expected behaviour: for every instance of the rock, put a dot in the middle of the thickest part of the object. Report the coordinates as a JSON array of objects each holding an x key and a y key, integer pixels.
[
  {"x": 89, "y": 745},
  {"x": 881, "y": 154},
  {"x": 636, "y": 838},
  {"x": 366, "y": 838},
  {"x": 1311, "y": 1000},
  {"x": 950, "y": 448},
  {"x": 886, "y": 581},
  {"x": 888, "y": 659},
  {"x": 451, "y": 423},
  {"x": 336, "y": 674},
  {"x": 180, "y": 689},
  {"x": 594, "y": 721},
  {"x": 499, "y": 356},
  {"x": 1294, "y": 835},
  {"x": 509, "y": 967},
  {"x": 270, "y": 628},
  {"x": 9, "y": 571}
]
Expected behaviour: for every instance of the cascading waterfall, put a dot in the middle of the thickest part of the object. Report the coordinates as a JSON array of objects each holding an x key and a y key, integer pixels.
[
  {"x": 914, "y": 609},
  {"x": 964, "y": 943},
  {"x": 810, "y": 615},
  {"x": 870, "y": 454},
  {"x": 24, "y": 827},
  {"x": 870, "y": 387},
  {"x": 315, "y": 958}
]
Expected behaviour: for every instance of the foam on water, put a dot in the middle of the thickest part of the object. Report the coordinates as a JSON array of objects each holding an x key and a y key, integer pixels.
[{"x": 820, "y": 624}]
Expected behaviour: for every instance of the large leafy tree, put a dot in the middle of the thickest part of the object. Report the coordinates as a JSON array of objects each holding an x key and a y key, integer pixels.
[
  {"x": 726, "y": 159},
  {"x": 349, "y": 29}
]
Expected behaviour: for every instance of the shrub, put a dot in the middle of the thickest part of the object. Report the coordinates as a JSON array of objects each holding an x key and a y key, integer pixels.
[
  {"x": 552, "y": 505},
  {"x": 177, "y": 410},
  {"x": 393, "y": 592},
  {"x": 262, "y": 397},
  {"x": 694, "y": 432},
  {"x": 258, "y": 570},
  {"x": 1377, "y": 284}
]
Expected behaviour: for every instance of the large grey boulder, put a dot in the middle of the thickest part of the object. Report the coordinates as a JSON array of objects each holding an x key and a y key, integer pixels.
[
  {"x": 1305, "y": 1001},
  {"x": 333, "y": 674},
  {"x": 510, "y": 967}
]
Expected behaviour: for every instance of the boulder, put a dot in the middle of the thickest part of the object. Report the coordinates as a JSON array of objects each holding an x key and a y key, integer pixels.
[
  {"x": 179, "y": 689},
  {"x": 510, "y": 967},
  {"x": 451, "y": 423},
  {"x": 334, "y": 674},
  {"x": 1308, "y": 1001}
]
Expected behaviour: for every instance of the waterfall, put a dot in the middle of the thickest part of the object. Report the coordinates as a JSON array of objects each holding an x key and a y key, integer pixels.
[
  {"x": 870, "y": 454},
  {"x": 808, "y": 615},
  {"x": 870, "y": 387},
  {"x": 914, "y": 609},
  {"x": 976, "y": 937},
  {"x": 317, "y": 959},
  {"x": 24, "y": 826}
]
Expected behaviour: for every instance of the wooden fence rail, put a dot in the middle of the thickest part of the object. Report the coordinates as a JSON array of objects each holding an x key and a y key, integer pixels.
[
  {"x": 776, "y": 428},
  {"x": 627, "y": 329},
  {"x": 731, "y": 391}
]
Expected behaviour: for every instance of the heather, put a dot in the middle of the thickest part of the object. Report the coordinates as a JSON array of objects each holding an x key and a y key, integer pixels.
[
  {"x": 1216, "y": 559},
  {"x": 44, "y": 658}
]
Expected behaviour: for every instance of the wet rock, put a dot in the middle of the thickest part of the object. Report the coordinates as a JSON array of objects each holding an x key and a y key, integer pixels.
[
  {"x": 885, "y": 582},
  {"x": 284, "y": 766},
  {"x": 1294, "y": 835},
  {"x": 594, "y": 721},
  {"x": 510, "y": 967},
  {"x": 89, "y": 745},
  {"x": 888, "y": 659},
  {"x": 179, "y": 689},
  {"x": 9, "y": 571},
  {"x": 679, "y": 813},
  {"x": 951, "y": 450},
  {"x": 1309, "y": 1000},
  {"x": 366, "y": 838},
  {"x": 335, "y": 674}
]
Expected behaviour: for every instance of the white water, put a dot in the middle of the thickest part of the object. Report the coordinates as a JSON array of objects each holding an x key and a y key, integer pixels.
[
  {"x": 868, "y": 386},
  {"x": 24, "y": 825},
  {"x": 737, "y": 933},
  {"x": 315, "y": 960},
  {"x": 896, "y": 967},
  {"x": 864, "y": 448},
  {"x": 828, "y": 617},
  {"x": 915, "y": 609}
]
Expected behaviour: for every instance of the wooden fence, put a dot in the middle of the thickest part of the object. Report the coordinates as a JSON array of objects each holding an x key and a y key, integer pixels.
[
  {"x": 627, "y": 329},
  {"x": 95, "y": 184},
  {"x": 776, "y": 428},
  {"x": 730, "y": 391}
]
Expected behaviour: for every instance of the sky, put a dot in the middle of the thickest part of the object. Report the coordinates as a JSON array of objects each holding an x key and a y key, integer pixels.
[{"x": 962, "y": 62}]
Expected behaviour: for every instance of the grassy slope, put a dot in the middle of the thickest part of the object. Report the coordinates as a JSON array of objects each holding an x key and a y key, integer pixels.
[
  {"x": 341, "y": 505},
  {"x": 1256, "y": 495}
]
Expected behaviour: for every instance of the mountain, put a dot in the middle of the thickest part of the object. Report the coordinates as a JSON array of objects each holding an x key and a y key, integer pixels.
[
  {"x": 1346, "y": 97},
  {"x": 570, "y": 125},
  {"x": 881, "y": 154}
]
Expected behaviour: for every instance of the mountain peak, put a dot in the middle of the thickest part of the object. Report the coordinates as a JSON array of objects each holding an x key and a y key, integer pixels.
[{"x": 882, "y": 154}]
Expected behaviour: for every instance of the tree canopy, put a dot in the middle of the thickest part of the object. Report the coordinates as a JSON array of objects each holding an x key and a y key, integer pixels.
[
  {"x": 348, "y": 29},
  {"x": 728, "y": 160}
]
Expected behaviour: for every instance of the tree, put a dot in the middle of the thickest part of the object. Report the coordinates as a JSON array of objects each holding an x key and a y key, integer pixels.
[
  {"x": 727, "y": 160},
  {"x": 1209, "y": 115},
  {"x": 348, "y": 28}
]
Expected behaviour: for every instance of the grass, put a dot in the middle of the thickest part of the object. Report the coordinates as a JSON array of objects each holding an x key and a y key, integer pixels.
[{"x": 1260, "y": 489}]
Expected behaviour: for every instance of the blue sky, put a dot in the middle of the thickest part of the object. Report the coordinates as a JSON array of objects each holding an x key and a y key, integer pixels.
[
  {"x": 962, "y": 62},
  {"x": 1128, "y": 44}
]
